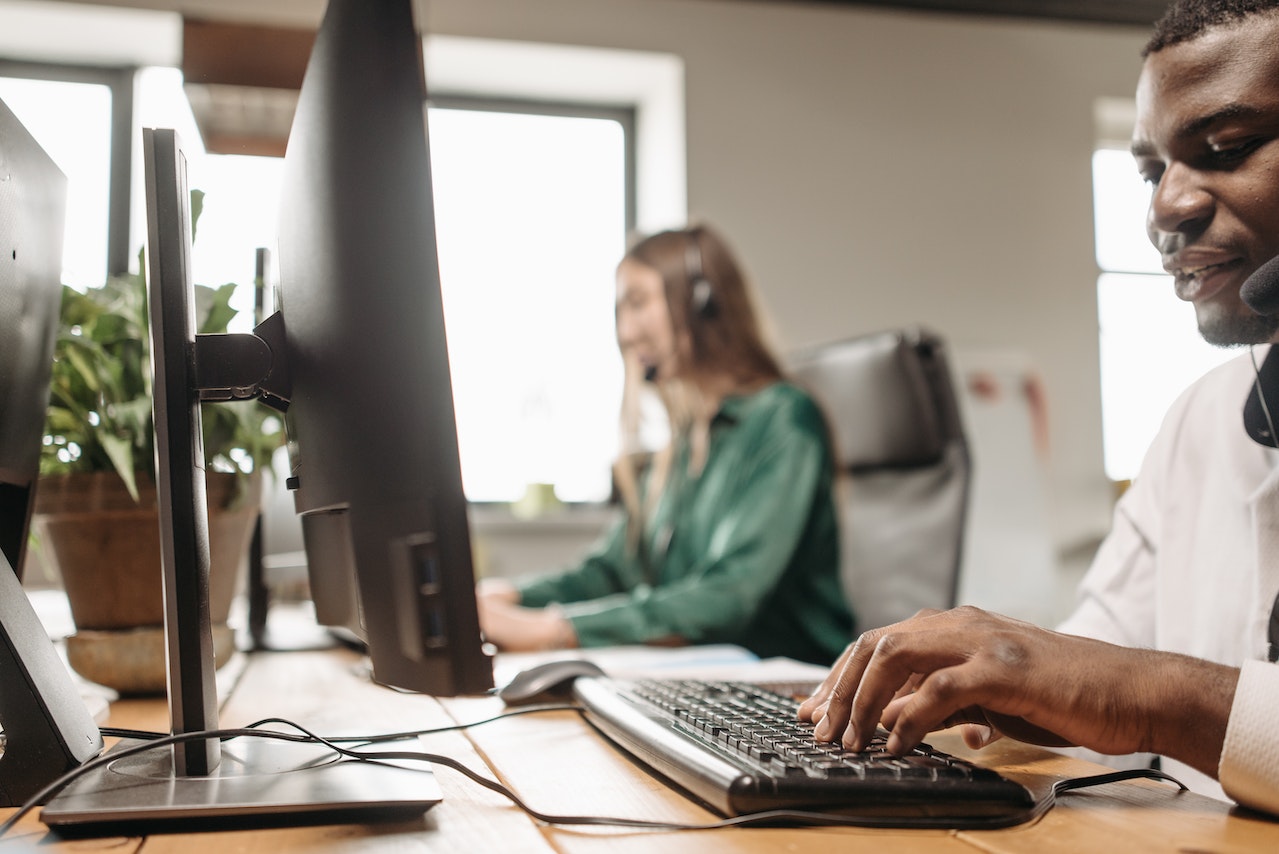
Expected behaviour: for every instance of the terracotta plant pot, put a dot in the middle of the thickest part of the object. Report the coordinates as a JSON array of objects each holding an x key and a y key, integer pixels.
[{"x": 106, "y": 550}]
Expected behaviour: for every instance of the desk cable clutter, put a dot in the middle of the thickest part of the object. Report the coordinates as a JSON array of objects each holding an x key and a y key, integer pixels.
[{"x": 297, "y": 733}]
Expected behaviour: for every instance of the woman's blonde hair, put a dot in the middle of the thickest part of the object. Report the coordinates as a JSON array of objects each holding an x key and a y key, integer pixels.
[{"x": 714, "y": 315}]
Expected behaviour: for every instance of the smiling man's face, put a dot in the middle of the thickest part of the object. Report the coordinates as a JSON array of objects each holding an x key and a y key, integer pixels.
[{"x": 1207, "y": 140}]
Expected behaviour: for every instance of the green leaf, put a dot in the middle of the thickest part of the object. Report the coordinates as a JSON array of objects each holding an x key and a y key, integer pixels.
[
  {"x": 197, "y": 208},
  {"x": 102, "y": 366},
  {"x": 214, "y": 305},
  {"x": 121, "y": 454},
  {"x": 86, "y": 368}
]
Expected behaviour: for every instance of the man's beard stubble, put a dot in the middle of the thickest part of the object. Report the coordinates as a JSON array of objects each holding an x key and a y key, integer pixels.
[{"x": 1238, "y": 330}]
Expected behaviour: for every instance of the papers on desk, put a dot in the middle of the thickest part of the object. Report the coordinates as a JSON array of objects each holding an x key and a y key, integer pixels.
[{"x": 715, "y": 661}]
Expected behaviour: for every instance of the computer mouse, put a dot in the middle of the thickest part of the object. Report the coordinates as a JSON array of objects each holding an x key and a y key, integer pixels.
[{"x": 547, "y": 682}]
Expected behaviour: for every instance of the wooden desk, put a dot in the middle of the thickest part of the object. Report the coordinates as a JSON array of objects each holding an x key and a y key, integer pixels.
[{"x": 559, "y": 764}]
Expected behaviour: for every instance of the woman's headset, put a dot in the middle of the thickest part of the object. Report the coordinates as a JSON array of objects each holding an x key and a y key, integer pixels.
[{"x": 701, "y": 292}]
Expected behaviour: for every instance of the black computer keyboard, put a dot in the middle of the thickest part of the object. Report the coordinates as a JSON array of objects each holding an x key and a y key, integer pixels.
[{"x": 740, "y": 749}]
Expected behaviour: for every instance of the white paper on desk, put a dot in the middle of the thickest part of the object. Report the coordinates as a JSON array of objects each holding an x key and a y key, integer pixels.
[{"x": 712, "y": 661}]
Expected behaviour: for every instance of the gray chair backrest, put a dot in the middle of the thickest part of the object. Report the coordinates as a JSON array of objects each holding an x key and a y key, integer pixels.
[{"x": 905, "y": 467}]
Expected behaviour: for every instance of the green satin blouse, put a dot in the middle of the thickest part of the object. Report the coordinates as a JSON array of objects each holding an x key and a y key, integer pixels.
[{"x": 746, "y": 552}]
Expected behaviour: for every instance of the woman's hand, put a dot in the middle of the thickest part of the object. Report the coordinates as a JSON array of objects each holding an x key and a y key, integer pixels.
[{"x": 513, "y": 628}]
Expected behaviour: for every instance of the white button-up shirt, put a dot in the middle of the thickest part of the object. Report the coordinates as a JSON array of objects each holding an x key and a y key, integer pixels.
[{"x": 1192, "y": 566}]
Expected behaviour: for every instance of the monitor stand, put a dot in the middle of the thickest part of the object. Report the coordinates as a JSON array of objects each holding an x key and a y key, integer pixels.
[
  {"x": 47, "y": 728},
  {"x": 204, "y": 784},
  {"x": 257, "y": 783}
]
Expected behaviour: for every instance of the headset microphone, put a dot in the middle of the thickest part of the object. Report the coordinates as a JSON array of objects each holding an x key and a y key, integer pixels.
[
  {"x": 1261, "y": 294},
  {"x": 1261, "y": 291}
]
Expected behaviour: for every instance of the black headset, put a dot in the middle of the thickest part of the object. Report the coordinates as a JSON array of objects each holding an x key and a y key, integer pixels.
[{"x": 701, "y": 292}]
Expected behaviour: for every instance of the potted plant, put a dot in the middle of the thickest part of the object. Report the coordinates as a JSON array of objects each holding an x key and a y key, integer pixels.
[{"x": 96, "y": 519}]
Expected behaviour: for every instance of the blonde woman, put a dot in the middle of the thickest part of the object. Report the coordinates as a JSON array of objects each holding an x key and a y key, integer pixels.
[{"x": 729, "y": 536}]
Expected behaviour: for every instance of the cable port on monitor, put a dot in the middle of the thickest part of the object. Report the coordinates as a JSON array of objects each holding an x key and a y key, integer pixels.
[{"x": 425, "y": 560}]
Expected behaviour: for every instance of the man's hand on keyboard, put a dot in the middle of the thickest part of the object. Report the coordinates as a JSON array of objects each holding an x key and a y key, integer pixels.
[{"x": 968, "y": 666}]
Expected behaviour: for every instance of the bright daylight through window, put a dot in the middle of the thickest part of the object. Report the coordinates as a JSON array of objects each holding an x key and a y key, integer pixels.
[
  {"x": 1150, "y": 346},
  {"x": 72, "y": 121},
  {"x": 531, "y": 220}
]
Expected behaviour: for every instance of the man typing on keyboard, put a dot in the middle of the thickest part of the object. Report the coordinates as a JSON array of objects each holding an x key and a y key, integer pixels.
[
  {"x": 1171, "y": 648},
  {"x": 1000, "y": 676}
]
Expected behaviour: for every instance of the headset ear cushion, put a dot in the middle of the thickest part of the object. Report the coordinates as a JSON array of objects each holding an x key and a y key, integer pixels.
[{"x": 703, "y": 298}]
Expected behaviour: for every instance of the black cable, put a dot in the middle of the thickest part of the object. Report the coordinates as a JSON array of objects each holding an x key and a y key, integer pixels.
[
  {"x": 1073, "y": 783},
  {"x": 154, "y": 740},
  {"x": 134, "y": 734},
  {"x": 792, "y": 817},
  {"x": 770, "y": 817},
  {"x": 147, "y": 735},
  {"x": 124, "y": 752},
  {"x": 1261, "y": 395}
]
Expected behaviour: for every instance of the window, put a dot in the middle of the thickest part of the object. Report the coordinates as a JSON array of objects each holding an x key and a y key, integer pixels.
[
  {"x": 72, "y": 122},
  {"x": 531, "y": 217},
  {"x": 241, "y": 202},
  {"x": 532, "y": 209},
  {"x": 1150, "y": 345}
]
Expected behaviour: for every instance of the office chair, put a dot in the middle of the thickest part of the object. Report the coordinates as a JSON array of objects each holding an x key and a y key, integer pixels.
[{"x": 904, "y": 466}]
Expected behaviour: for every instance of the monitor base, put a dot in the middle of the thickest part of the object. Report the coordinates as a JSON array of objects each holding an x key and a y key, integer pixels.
[{"x": 259, "y": 783}]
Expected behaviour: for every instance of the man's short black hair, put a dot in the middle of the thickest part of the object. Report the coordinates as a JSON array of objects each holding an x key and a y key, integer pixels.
[{"x": 1188, "y": 19}]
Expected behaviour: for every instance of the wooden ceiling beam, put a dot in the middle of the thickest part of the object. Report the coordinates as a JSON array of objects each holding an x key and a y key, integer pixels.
[{"x": 242, "y": 82}]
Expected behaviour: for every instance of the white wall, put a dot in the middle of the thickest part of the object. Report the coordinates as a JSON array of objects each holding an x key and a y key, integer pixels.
[
  {"x": 875, "y": 169},
  {"x": 878, "y": 168}
]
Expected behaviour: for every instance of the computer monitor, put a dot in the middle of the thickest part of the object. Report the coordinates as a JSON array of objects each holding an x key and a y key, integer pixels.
[
  {"x": 47, "y": 728},
  {"x": 357, "y": 359},
  {"x": 373, "y": 438},
  {"x": 32, "y": 212}
]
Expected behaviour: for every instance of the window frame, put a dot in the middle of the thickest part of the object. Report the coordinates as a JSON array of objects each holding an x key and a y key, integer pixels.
[
  {"x": 119, "y": 81},
  {"x": 623, "y": 114}
]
